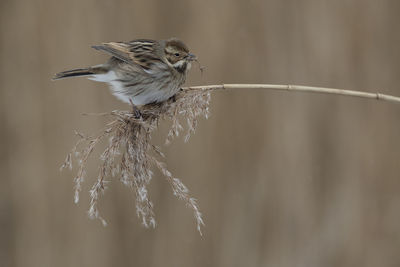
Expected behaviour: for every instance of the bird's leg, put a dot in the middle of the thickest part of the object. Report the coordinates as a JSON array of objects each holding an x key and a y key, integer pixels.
[
  {"x": 135, "y": 110},
  {"x": 173, "y": 98}
]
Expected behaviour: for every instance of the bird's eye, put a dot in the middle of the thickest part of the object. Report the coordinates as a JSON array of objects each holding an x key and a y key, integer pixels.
[{"x": 177, "y": 54}]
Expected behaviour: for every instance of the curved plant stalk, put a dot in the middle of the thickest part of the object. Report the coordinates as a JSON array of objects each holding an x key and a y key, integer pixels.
[
  {"x": 131, "y": 156},
  {"x": 298, "y": 88}
]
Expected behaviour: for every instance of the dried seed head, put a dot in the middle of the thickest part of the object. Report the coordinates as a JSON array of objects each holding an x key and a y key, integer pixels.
[{"x": 130, "y": 155}]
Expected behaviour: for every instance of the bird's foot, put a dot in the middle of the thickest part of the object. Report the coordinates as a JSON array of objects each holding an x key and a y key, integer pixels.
[{"x": 135, "y": 110}]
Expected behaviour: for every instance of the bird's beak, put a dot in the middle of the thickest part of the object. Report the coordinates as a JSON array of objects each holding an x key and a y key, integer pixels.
[{"x": 191, "y": 57}]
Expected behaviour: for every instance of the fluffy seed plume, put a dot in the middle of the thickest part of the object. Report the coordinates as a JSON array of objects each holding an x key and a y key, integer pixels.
[{"x": 130, "y": 155}]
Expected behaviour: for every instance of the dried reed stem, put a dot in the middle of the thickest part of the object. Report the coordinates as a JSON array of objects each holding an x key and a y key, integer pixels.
[
  {"x": 131, "y": 155},
  {"x": 298, "y": 88}
]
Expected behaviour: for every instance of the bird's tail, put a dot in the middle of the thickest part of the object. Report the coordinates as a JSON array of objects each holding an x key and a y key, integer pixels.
[{"x": 80, "y": 72}]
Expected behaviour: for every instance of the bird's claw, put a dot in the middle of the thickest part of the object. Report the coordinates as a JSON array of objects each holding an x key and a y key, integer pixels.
[{"x": 135, "y": 110}]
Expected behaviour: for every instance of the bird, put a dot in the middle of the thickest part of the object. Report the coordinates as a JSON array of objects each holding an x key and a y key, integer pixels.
[{"x": 141, "y": 71}]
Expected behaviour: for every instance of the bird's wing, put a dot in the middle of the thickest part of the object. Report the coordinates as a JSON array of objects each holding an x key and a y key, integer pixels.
[{"x": 140, "y": 52}]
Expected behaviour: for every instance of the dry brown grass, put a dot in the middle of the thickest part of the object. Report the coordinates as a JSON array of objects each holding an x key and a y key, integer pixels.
[{"x": 131, "y": 156}]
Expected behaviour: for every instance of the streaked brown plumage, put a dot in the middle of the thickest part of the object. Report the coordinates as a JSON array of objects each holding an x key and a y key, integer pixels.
[{"x": 141, "y": 71}]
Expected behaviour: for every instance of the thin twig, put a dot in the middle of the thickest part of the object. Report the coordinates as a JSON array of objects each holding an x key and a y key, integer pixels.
[
  {"x": 131, "y": 155},
  {"x": 298, "y": 88}
]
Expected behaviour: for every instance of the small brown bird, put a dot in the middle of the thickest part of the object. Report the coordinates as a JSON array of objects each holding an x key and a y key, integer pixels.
[{"x": 140, "y": 71}]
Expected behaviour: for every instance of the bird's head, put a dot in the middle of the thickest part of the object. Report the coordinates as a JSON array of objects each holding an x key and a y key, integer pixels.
[{"x": 177, "y": 55}]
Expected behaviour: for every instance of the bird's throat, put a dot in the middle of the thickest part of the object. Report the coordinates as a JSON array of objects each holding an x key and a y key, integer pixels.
[{"x": 180, "y": 66}]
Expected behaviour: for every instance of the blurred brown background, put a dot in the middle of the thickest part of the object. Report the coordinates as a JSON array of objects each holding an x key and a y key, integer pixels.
[{"x": 283, "y": 179}]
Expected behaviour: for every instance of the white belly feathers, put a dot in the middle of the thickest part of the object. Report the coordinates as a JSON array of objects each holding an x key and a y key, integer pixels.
[{"x": 155, "y": 92}]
